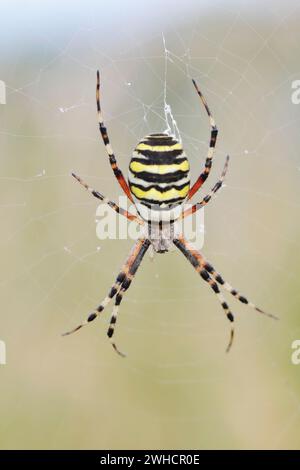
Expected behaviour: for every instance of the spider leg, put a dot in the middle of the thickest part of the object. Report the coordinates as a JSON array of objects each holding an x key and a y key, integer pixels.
[
  {"x": 211, "y": 270},
  {"x": 111, "y": 204},
  {"x": 132, "y": 269},
  {"x": 196, "y": 258},
  {"x": 121, "y": 278},
  {"x": 208, "y": 197},
  {"x": 114, "y": 289},
  {"x": 112, "y": 159},
  {"x": 213, "y": 138},
  {"x": 190, "y": 253}
]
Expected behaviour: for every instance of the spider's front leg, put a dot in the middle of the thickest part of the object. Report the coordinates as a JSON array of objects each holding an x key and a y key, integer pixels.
[
  {"x": 112, "y": 159},
  {"x": 107, "y": 201},
  {"x": 213, "y": 139},
  {"x": 117, "y": 290},
  {"x": 208, "y": 197}
]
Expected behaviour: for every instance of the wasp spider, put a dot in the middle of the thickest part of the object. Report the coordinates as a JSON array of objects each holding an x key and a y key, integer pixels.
[{"x": 159, "y": 185}]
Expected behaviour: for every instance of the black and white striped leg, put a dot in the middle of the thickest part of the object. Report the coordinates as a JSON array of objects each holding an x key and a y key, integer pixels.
[
  {"x": 217, "y": 276},
  {"x": 132, "y": 269},
  {"x": 112, "y": 159},
  {"x": 121, "y": 278},
  {"x": 208, "y": 197},
  {"x": 205, "y": 275},
  {"x": 213, "y": 139},
  {"x": 189, "y": 253},
  {"x": 114, "y": 317},
  {"x": 107, "y": 201},
  {"x": 114, "y": 289}
]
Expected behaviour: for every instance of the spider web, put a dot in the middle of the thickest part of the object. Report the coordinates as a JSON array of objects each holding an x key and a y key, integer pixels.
[{"x": 177, "y": 388}]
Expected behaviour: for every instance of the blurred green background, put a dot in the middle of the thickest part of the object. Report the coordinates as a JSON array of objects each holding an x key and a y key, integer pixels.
[{"x": 177, "y": 388}]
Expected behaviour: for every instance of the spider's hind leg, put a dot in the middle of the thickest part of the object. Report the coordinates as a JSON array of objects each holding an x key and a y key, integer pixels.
[
  {"x": 217, "y": 276},
  {"x": 113, "y": 291},
  {"x": 121, "y": 284},
  {"x": 213, "y": 278},
  {"x": 207, "y": 278},
  {"x": 114, "y": 316},
  {"x": 192, "y": 255},
  {"x": 133, "y": 266}
]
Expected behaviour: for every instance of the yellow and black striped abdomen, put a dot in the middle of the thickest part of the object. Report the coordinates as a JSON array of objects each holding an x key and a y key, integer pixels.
[{"x": 159, "y": 171}]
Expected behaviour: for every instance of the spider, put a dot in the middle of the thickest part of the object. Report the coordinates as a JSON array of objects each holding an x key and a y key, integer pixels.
[{"x": 159, "y": 185}]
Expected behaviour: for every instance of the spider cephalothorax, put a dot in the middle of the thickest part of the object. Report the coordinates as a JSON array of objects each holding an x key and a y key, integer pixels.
[{"x": 158, "y": 185}]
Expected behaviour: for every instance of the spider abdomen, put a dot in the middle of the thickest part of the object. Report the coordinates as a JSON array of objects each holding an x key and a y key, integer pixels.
[{"x": 159, "y": 172}]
